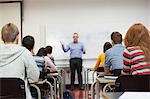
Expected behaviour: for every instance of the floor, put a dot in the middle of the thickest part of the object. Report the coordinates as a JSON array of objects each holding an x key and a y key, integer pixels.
[{"x": 78, "y": 94}]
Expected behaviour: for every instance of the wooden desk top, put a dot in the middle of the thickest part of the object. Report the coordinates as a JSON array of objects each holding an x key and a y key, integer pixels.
[
  {"x": 105, "y": 80},
  {"x": 53, "y": 74}
]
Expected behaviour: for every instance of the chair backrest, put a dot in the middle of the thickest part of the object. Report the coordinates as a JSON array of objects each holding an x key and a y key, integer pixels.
[
  {"x": 12, "y": 88},
  {"x": 140, "y": 83}
]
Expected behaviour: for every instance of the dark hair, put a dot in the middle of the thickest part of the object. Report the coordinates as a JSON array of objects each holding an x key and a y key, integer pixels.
[
  {"x": 9, "y": 32},
  {"x": 49, "y": 49},
  {"x": 107, "y": 46},
  {"x": 41, "y": 52},
  {"x": 116, "y": 37},
  {"x": 28, "y": 42}
]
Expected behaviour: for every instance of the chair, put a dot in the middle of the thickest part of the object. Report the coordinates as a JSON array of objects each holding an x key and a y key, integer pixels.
[
  {"x": 37, "y": 89},
  {"x": 12, "y": 88},
  {"x": 140, "y": 83}
]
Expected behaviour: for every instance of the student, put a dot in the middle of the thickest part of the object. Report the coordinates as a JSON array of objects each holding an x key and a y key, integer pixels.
[
  {"x": 49, "y": 53},
  {"x": 40, "y": 58},
  {"x": 28, "y": 42},
  {"x": 137, "y": 53},
  {"x": 76, "y": 50},
  {"x": 101, "y": 59},
  {"x": 42, "y": 54},
  {"x": 114, "y": 56},
  {"x": 16, "y": 61}
]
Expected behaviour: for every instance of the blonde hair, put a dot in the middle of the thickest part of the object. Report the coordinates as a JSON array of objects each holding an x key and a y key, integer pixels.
[
  {"x": 138, "y": 35},
  {"x": 9, "y": 32}
]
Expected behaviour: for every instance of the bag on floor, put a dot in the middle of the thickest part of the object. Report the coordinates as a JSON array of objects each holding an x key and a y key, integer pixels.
[{"x": 67, "y": 95}]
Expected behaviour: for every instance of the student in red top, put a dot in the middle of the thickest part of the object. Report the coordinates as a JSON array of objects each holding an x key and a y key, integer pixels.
[{"x": 137, "y": 53}]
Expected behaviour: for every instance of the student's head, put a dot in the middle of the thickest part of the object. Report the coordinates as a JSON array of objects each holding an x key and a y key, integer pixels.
[
  {"x": 116, "y": 38},
  {"x": 10, "y": 33},
  {"x": 49, "y": 49},
  {"x": 107, "y": 46},
  {"x": 75, "y": 37},
  {"x": 138, "y": 35},
  {"x": 41, "y": 52},
  {"x": 28, "y": 42}
]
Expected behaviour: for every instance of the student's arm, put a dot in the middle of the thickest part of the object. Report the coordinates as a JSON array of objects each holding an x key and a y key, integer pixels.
[
  {"x": 32, "y": 70},
  {"x": 127, "y": 62},
  {"x": 107, "y": 62},
  {"x": 97, "y": 62},
  {"x": 50, "y": 64}
]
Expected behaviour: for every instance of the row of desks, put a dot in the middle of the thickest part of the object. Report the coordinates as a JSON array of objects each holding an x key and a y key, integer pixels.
[{"x": 54, "y": 91}]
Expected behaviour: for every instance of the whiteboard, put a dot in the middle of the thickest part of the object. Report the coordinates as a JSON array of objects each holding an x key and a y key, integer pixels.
[
  {"x": 93, "y": 38},
  {"x": 94, "y": 20}
]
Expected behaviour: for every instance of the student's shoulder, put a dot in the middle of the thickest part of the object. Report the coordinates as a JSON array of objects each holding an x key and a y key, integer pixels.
[
  {"x": 25, "y": 51},
  {"x": 109, "y": 50},
  {"x": 130, "y": 49}
]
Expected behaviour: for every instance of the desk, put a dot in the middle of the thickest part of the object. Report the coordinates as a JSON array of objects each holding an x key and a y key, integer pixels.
[
  {"x": 100, "y": 80},
  {"x": 105, "y": 80},
  {"x": 53, "y": 74}
]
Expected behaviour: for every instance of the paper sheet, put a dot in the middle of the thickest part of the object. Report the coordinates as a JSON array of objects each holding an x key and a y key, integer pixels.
[{"x": 135, "y": 95}]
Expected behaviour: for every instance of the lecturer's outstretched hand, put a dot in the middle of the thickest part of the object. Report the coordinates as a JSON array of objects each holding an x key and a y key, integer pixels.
[{"x": 61, "y": 43}]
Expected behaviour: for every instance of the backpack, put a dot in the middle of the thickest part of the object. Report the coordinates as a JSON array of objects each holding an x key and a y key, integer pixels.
[{"x": 67, "y": 95}]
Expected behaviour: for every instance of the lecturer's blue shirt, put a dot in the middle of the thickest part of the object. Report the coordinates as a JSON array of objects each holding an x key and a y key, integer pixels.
[
  {"x": 76, "y": 49},
  {"x": 114, "y": 57}
]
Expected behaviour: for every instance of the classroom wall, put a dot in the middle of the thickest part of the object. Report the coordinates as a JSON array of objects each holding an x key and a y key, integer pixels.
[
  {"x": 0, "y": 25},
  {"x": 100, "y": 16},
  {"x": 148, "y": 14}
]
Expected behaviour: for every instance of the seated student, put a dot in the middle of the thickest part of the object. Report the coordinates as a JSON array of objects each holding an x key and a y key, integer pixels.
[
  {"x": 42, "y": 54},
  {"x": 49, "y": 53},
  {"x": 16, "y": 61},
  {"x": 114, "y": 56},
  {"x": 28, "y": 42},
  {"x": 101, "y": 59},
  {"x": 137, "y": 53}
]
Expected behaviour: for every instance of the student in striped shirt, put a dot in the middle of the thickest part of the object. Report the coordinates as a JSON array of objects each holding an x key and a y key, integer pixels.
[{"x": 137, "y": 53}]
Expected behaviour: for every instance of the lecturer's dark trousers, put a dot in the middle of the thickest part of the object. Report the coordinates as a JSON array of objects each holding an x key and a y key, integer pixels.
[{"x": 76, "y": 64}]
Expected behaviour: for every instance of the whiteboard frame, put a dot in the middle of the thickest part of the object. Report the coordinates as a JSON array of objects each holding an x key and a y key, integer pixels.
[{"x": 21, "y": 12}]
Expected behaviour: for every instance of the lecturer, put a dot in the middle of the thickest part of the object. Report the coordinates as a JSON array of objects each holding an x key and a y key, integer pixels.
[{"x": 76, "y": 50}]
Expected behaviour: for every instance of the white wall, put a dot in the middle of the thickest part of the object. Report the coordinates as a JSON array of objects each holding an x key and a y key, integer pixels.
[
  {"x": 48, "y": 19},
  {"x": 148, "y": 13},
  {"x": 0, "y": 25}
]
